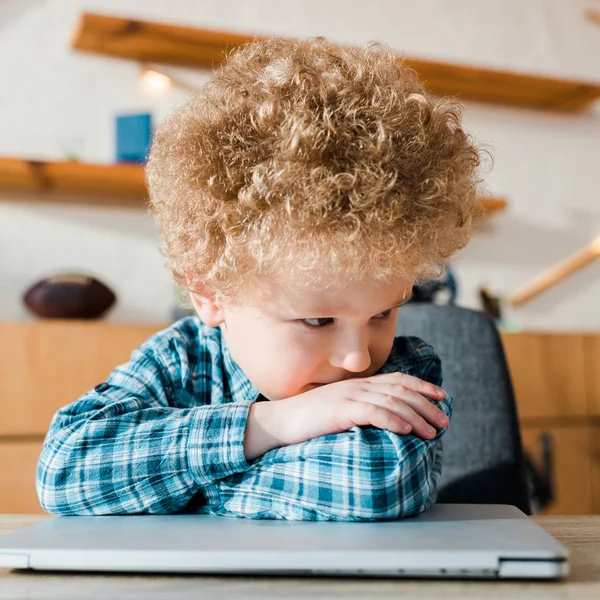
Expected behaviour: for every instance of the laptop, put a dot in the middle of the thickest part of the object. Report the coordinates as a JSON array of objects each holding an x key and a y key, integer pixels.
[{"x": 448, "y": 541}]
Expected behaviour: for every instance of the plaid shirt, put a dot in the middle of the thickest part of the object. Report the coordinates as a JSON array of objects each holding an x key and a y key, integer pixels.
[{"x": 165, "y": 433}]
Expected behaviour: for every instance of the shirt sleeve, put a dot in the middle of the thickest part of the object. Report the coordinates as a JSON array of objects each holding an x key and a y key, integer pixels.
[
  {"x": 131, "y": 445},
  {"x": 360, "y": 475}
]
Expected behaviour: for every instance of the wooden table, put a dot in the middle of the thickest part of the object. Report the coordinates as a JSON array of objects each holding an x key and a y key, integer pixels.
[{"x": 580, "y": 534}]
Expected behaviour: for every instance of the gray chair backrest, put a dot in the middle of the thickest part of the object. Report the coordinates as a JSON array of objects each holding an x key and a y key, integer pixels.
[{"x": 483, "y": 456}]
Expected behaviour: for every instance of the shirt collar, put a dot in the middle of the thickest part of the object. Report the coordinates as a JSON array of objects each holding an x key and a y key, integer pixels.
[{"x": 238, "y": 383}]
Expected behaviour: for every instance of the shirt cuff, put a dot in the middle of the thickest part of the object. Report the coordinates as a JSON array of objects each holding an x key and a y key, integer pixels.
[{"x": 216, "y": 441}]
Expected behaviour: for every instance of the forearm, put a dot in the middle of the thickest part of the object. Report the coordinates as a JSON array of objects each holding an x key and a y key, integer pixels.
[
  {"x": 263, "y": 431},
  {"x": 273, "y": 425}
]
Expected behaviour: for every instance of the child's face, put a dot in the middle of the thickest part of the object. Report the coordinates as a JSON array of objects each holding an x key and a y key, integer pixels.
[{"x": 297, "y": 338}]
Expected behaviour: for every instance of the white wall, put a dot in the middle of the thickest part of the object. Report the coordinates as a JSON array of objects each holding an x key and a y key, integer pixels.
[{"x": 54, "y": 100}]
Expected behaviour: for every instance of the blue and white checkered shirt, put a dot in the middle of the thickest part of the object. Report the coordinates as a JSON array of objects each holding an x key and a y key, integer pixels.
[{"x": 165, "y": 433}]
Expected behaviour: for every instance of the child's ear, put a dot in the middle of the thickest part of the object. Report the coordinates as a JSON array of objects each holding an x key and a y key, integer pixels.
[{"x": 206, "y": 306}]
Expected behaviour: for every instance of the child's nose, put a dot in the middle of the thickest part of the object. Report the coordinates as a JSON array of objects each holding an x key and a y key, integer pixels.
[{"x": 352, "y": 354}]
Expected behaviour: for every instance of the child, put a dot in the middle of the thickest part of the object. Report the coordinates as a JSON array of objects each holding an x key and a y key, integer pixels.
[{"x": 299, "y": 195}]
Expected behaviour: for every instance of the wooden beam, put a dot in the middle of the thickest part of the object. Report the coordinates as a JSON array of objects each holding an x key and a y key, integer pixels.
[
  {"x": 557, "y": 273},
  {"x": 154, "y": 42},
  {"x": 161, "y": 43}
]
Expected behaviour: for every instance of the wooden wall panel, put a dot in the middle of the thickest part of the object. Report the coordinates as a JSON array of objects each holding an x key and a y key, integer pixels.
[
  {"x": 18, "y": 461},
  {"x": 595, "y": 464},
  {"x": 548, "y": 373},
  {"x": 592, "y": 373},
  {"x": 572, "y": 469},
  {"x": 47, "y": 364}
]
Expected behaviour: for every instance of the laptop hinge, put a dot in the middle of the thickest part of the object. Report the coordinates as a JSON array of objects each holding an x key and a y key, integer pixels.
[
  {"x": 514, "y": 568},
  {"x": 10, "y": 560}
]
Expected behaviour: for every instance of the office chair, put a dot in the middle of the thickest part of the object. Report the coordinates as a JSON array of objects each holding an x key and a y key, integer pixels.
[{"x": 483, "y": 460}]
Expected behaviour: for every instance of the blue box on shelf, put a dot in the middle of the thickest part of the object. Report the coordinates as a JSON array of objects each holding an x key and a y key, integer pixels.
[{"x": 133, "y": 136}]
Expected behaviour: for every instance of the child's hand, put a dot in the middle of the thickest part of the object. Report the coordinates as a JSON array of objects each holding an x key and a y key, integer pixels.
[{"x": 393, "y": 401}]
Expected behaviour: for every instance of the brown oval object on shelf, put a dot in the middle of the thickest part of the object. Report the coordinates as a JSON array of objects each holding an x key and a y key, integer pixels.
[{"x": 69, "y": 296}]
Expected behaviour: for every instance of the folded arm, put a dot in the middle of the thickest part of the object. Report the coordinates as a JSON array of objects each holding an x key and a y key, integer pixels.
[{"x": 129, "y": 446}]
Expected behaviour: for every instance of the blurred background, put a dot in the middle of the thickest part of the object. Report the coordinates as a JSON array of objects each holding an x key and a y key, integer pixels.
[{"x": 83, "y": 84}]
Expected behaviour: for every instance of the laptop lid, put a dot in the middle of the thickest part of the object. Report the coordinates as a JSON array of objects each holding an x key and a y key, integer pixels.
[{"x": 461, "y": 540}]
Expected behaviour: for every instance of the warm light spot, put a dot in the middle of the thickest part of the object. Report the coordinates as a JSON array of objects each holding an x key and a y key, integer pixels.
[{"x": 155, "y": 81}]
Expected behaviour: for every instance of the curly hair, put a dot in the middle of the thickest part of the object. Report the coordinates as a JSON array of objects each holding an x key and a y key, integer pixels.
[{"x": 301, "y": 158}]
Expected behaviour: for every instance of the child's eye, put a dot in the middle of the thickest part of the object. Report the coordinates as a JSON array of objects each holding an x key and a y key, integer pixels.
[
  {"x": 383, "y": 315},
  {"x": 318, "y": 322}
]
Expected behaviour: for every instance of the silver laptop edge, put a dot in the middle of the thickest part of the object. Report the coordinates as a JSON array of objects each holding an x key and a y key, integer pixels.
[{"x": 448, "y": 541}]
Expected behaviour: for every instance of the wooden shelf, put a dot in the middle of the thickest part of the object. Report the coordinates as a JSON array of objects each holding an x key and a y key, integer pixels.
[
  {"x": 75, "y": 181},
  {"x": 97, "y": 184},
  {"x": 594, "y": 16},
  {"x": 186, "y": 46},
  {"x": 493, "y": 205}
]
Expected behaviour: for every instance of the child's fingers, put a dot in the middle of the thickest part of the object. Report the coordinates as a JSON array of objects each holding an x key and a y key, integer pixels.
[
  {"x": 401, "y": 409},
  {"x": 366, "y": 413},
  {"x": 409, "y": 381},
  {"x": 416, "y": 401}
]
